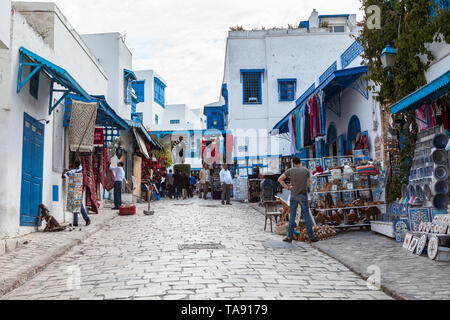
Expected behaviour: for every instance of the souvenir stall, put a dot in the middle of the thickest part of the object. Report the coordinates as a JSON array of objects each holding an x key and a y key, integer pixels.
[
  {"x": 92, "y": 126},
  {"x": 421, "y": 215}
]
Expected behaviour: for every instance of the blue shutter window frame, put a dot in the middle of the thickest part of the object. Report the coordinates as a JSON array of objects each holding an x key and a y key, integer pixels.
[
  {"x": 251, "y": 80},
  {"x": 139, "y": 89},
  {"x": 287, "y": 89},
  {"x": 159, "y": 92},
  {"x": 156, "y": 119},
  {"x": 174, "y": 121}
]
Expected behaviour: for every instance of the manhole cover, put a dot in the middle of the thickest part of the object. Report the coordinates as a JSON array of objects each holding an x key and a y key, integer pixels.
[
  {"x": 200, "y": 246},
  {"x": 281, "y": 245}
]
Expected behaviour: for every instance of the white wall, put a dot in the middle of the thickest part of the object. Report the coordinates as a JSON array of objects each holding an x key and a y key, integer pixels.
[
  {"x": 5, "y": 23},
  {"x": 283, "y": 54},
  {"x": 67, "y": 52},
  {"x": 114, "y": 56}
]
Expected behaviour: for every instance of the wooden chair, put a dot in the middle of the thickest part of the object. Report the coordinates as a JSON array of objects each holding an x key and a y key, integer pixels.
[{"x": 271, "y": 210}]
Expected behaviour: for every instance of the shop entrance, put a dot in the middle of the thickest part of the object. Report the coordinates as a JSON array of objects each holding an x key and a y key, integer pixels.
[{"x": 32, "y": 171}]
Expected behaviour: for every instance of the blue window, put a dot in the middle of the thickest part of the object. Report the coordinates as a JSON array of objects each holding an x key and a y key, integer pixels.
[
  {"x": 156, "y": 119},
  {"x": 138, "y": 87},
  {"x": 438, "y": 6},
  {"x": 251, "y": 86},
  {"x": 159, "y": 92},
  {"x": 174, "y": 121},
  {"x": 34, "y": 85},
  {"x": 287, "y": 89}
]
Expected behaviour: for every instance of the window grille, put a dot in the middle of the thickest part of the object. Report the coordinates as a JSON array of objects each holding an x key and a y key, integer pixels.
[{"x": 251, "y": 86}]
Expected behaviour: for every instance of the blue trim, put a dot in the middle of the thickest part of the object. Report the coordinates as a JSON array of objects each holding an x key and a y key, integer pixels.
[
  {"x": 304, "y": 24},
  {"x": 257, "y": 157},
  {"x": 139, "y": 88},
  {"x": 287, "y": 88},
  {"x": 354, "y": 126},
  {"x": 55, "y": 193},
  {"x": 174, "y": 121},
  {"x": 352, "y": 52},
  {"x": 306, "y": 94},
  {"x": 332, "y": 85},
  {"x": 159, "y": 89},
  {"x": 328, "y": 72},
  {"x": 54, "y": 72},
  {"x": 427, "y": 93},
  {"x": 129, "y": 74}
]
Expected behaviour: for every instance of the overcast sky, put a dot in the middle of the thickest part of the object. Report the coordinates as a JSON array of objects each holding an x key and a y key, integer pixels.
[{"x": 184, "y": 40}]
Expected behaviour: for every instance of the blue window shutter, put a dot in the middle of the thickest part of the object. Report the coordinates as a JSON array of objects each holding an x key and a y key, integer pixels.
[{"x": 55, "y": 193}]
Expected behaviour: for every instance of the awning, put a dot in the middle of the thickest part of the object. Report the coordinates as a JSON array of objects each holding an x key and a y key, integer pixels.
[
  {"x": 129, "y": 74},
  {"x": 426, "y": 94},
  {"x": 141, "y": 143},
  {"x": 55, "y": 73},
  {"x": 106, "y": 116},
  {"x": 145, "y": 134},
  {"x": 332, "y": 85}
]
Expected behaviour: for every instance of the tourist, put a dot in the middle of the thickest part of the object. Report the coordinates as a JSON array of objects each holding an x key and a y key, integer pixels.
[
  {"x": 192, "y": 186},
  {"x": 204, "y": 181},
  {"x": 75, "y": 192},
  {"x": 185, "y": 186},
  {"x": 170, "y": 184},
  {"x": 226, "y": 182},
  {"x": 177, "y": 184},
  {"x": 300, "y": 181},
  {"x": 119, "y": 177}
]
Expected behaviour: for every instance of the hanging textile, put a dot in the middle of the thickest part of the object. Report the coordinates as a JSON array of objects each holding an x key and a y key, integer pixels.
[
  {"x": 431, "y": 116},
  {"x": 301, "y": 125},
  {"x": 292, "y": 136},
  {"x": 82, "y": 126},
  {"x": 75, "y": 192},
  {"x": 445, "y": 113},
  {"x": 89, "y": 183},
  {"x": 323, "y": 117},
  {"x": 421, "y": 113},
  {"x": 298, "y": 127},
  {"x": 317, "y": 125},
  {"x": 307, "y": 130},
  {"x": 294, "y": 127}
]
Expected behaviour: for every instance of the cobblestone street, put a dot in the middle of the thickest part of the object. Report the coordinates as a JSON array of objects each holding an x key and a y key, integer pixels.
[{"x": 142, "y": 257}]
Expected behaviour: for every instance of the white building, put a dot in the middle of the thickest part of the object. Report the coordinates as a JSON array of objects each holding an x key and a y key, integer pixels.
[
  {"x": 5, "y": 23},
  {"x": 31, "y": 134},
  {"x": 150, "y": 89},
  {"x": 115, "y": 57},
  {"x": 266, "y": 71},
  {"x": 182, "y": 128}
]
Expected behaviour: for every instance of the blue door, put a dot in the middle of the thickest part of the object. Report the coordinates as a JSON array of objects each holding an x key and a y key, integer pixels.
[{"x": 32, "y": 170}]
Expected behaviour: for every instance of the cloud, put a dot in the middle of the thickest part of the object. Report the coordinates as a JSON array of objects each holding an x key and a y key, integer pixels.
[{"x": 184, "y": 41}]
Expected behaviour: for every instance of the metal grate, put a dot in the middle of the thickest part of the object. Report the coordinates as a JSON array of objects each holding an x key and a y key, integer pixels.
[
  {"x": 251, "y": 86},
  {"x": 201, "y": 246},
  {"x": 286, "y": 89}
]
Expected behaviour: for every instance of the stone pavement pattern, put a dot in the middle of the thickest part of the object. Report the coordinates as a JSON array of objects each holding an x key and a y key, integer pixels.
[
  {"x": 402, "y": 273},
  {"x": 40, "y": 249},
  {"x": 138, "y": 257}
]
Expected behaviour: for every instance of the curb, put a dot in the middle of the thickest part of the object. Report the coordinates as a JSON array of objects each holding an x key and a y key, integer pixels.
[
  {"x": 13, "y": 283},
  {"x": 390, "y": 292}
]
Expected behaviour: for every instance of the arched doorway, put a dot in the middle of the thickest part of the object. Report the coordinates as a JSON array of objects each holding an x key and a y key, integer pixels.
[
  {"x": 354, "y": 127},
  {"x": 331, "y": 146}
]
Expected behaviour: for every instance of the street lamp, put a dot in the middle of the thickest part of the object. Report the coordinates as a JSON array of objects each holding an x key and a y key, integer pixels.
[{"x": 388, "y": 58}]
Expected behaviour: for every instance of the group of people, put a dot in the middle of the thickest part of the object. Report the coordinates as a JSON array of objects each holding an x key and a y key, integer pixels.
[{"x": 179, "y": 185}]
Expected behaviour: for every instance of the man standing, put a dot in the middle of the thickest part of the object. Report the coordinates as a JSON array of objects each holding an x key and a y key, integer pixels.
[
  {"x": 204, "y": 181},
  {"x": 170, "y": 183},
  {"x": 75, "y": 192},
  {"x": 226, "y": 181},
  {"x": 119, "y": 175},
  {"x": 300, "y": 181}
]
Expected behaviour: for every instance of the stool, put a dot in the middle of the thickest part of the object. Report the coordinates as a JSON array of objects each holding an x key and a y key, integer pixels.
[{"x": 271, "y": 208}]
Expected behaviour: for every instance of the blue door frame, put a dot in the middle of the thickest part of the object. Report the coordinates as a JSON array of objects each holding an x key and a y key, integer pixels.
[{"x": 32, "y": 171}]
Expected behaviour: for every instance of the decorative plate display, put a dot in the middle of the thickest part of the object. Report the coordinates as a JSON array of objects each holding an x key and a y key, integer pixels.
[
  {"x": 433, "y": 245},
  {"x": 443, "y": 228},
  {"x": 422, "y": 227},
  {"x": 407, "y": 241},
  {"x": 416, "y": 216},
  {"x": 400, "y": 229},
  {"x": 435, "y": 228},
  {"x": 421, "y": 244},
  {"x": 413, "y": 244}
]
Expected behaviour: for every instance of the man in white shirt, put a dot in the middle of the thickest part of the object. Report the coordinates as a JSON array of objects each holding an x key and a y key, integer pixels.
[
  {"x": 119, "y": 175},
  {"x": 226, "y": 181}
]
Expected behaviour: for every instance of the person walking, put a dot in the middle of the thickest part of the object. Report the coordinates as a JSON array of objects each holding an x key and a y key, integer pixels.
[
  {"x": 170, "y": 184},
  {"x": 204, "y": 182},
  {"x": 186, "y": 183},
  {"x": 119, "y": 177},
  {"x": 226, "y": 182},
  {"x": 192, "y": 185},
  {"x": 300, "y": 181},
  {"x": 75, "y": 192}
]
